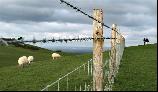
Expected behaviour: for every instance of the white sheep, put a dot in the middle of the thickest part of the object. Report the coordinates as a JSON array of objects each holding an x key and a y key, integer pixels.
[
  {"x": 30, "y": 58},
  {"x": 22, "y": 61},
  {"x": 55, "y": 55}
]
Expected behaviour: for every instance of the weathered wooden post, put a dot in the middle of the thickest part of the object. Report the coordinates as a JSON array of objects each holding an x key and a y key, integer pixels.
[
  {"x": 118, "y": 51},
  {"x": 112, "y": 63},
  {"x": 98, "y": 50}
]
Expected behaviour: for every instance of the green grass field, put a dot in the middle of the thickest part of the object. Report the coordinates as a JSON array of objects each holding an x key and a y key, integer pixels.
[
  {"x": 137, "y": 70},
  {"x": 40, "y": 73}
]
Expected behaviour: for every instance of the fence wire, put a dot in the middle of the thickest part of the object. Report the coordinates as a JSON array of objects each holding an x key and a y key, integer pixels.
[
  {"x": 80, "y": 79},
  {"x": 56, "y": 40},
  {"x": 85, "y": 14}
]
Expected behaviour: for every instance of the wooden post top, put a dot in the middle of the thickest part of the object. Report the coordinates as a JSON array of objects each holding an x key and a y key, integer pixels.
[{"x": 97, "y": 27}]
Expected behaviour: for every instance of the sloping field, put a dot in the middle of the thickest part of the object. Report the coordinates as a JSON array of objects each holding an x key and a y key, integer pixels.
[
  {"x": 138, "y": 69},
  {"x": 42, "y": 71}
]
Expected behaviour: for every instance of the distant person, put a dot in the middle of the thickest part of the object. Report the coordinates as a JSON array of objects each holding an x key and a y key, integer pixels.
[{"x": 146, "y": 40}]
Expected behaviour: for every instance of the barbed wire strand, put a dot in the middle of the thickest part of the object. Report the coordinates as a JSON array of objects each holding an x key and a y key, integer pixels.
[{"x": 84, "y": 13}]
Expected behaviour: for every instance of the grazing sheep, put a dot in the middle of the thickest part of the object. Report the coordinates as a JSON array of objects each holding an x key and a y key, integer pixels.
[
  {"x": 22, "y": 61},
  {"x": 30, "y": 58},
  {"x": 55, "y": 55}
]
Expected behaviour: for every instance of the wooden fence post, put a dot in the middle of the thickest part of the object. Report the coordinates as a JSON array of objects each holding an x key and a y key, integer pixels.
[
  {"x": 98, "y": 50},
  {"x": 112, "y": 63},
  {"x": 118, "y": 45}
]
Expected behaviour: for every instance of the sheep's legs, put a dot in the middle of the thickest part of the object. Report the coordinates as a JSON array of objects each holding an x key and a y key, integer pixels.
[
  {"x": 56, "y": 57},
  {"x": 20, "y": 66}
]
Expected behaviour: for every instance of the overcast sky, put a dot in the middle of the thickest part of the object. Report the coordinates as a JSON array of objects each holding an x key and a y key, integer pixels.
[{"x": 136, "y": 19}]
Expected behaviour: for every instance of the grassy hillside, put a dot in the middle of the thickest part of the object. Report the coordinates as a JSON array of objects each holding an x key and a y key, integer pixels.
[
  {"x": 40, "y": 73},
  {"x": 138, "y": 69}
]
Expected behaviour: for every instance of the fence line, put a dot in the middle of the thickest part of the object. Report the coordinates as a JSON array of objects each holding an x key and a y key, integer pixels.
[
  {"x": 89, "y": 66},
  {"x": 115, "y": 55},
  {"x": 120, "y": 44},
  {"x": 87, "y": 86},
  {"x": 110, "y": 70},
  {"x": 57, "y": 40}
]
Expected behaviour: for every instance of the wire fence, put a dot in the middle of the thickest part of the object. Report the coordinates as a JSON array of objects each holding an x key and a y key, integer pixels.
[
  {"x": 77, "y": 80},
  {"x": 54, "y": 40},
  {"x": 81, "y": 78},
  {"x": 114, "y": 62}
]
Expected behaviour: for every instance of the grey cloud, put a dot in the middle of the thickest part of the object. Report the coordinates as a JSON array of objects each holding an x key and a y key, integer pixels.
[
  {"x": 37, "y": 16},
  {"x": 51, "y": 10},
  {"x": 14, "y": 13},
  {"x": 42, "y": 27}
]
